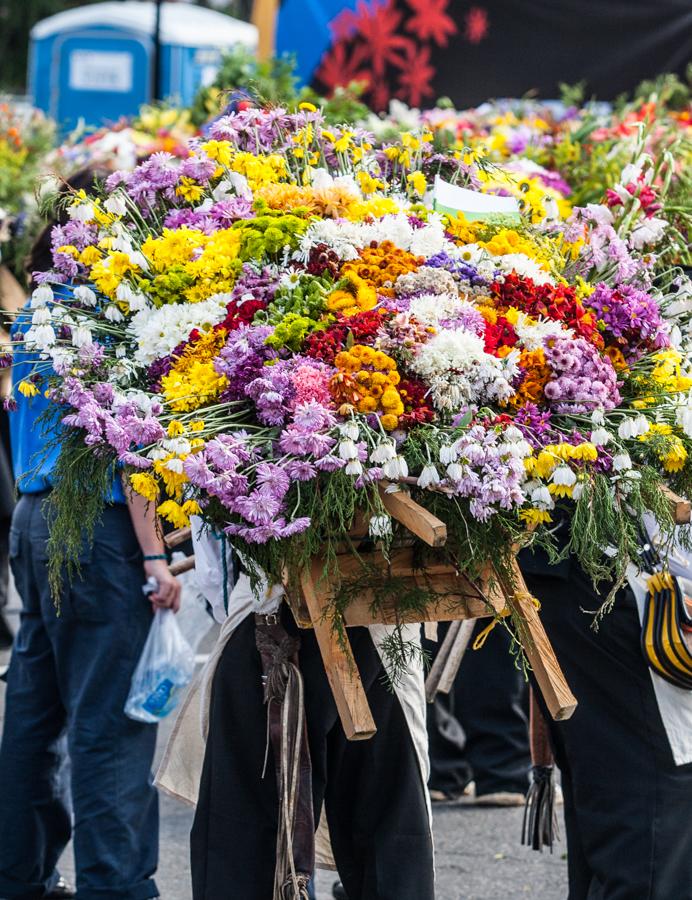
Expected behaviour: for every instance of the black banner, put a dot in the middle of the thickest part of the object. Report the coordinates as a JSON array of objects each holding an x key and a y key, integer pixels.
[{"x": 420, "y": 50}]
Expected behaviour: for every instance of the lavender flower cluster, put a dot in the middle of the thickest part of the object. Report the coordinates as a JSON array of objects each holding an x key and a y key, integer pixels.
[{"x": 582, "y": 380}]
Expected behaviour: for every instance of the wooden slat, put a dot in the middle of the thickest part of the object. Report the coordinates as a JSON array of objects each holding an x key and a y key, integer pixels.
[
  {"x": 459, "y": 599},
  {"x": 414, "y": 517},
  {"x": 183, "y": 565},
  {"x": 559, "y": 699},
  {"x": 456, "y": 654},
  {"x": 432, "y": 681},
  {"x": 681, "y": 509},
  {"x": 340, "y": 666},
  {"x": 177, "y": 537},
  {"x": 453, "y": 607}
]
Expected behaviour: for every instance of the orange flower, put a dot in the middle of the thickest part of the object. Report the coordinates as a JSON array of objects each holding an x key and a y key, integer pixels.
[
  {"x": 381, "y": 265},
  {"x": 537, "y": 373},
  {"x": 367, "y": 380}
]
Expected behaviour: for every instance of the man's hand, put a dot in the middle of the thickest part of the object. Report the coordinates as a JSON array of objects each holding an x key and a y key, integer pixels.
[{"x": 168, "y": 594}]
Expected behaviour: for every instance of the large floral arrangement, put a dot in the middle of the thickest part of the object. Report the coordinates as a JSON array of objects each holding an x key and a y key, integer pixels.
[{"x": 272, "y": 330}]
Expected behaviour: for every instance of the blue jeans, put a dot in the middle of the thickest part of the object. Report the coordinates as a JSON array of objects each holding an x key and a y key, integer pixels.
[{"x": 69, "y": 676}]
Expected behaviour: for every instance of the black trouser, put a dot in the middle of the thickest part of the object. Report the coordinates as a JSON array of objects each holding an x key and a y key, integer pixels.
[
  {"x": 628, "y": 808},
  {"x": 479, "y": 731},
  {"x": 372, "y": 790}
]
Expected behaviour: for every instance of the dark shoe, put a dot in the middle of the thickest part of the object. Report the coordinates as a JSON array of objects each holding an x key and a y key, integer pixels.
[
  {"x": 6, "y": 636},
  {"x": 62, "y": 889},
  {"x": 338, "y": 892}
]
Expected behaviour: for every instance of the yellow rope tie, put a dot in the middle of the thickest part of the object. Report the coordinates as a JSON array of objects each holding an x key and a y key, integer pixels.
[{"x": 519, "y": 595}]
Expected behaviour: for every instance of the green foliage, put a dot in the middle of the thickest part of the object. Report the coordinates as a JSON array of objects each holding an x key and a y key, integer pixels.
[
  {"x": 572, "y": 94},
  {"x": 270, "y": 233},
  {"x": 306, "y": 298},
  {"x": 273, "y": 82},
  {"x": 268, "y": 82},
  {"x": 82, "y": 480},
  {"x": 669, "y": 90}
]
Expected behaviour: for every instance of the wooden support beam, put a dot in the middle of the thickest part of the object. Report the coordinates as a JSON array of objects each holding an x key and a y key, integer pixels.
[
  {"x": 559, "y": 699},
  {"x": 177, "y": 537},
  {"x": 432, "y": 682},
  {"x": 182, "y": 565},
  {"x": 339, "y": 664},
  {"x": 681, "y": 509},
  {"x": 413, "y": 516},
  {"x": 456, "y": 654}
]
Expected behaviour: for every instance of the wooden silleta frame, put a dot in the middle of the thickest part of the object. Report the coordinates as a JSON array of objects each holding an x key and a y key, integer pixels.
[{"x": 460, "y": 599}]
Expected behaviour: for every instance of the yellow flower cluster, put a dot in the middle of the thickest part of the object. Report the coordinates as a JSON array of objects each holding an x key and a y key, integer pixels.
[
  {"x": 108, "y": 271},
  {"x": 329, "y": 202},
  {"x": 258, "y": 170},
  {"x": 373, "y": 208},
  {"x": 509, "y": 241},
  {"x": 205, "y": 262},
  {"x": 357, "y": 296},
  {"x": 193, "y": 381},
  {"x": 174, "y": 247},
  {"x": 213, "y": 270},
  {"x": 668, "y": 373},
  {"x": 178, "y": 514},
  {"x": 367, "y": 381},
  {"x": 170, "y": 479},
  {"x": 668, "y": 447},
  {"x": 552, "y": 455},
  {"x": 459, "y": 227}
]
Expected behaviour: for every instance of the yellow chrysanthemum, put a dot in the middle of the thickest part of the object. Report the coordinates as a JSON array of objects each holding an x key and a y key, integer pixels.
[
  {"x": 418, "y": 182},
  {"x": 193, "y": 381},
  {"x": 189, "y": 189},
  {"x": 146, "y": 485},
  {"x": 174, "y": 247},
  {"x": 175, "y": 428},
  {"x": 534, "y": 517},
  {"x": 27, "y": 389},
  {"x": 109, "y": 271},
  {"x": 89, "y": 256},
  {"x": 173, "y": 512}
]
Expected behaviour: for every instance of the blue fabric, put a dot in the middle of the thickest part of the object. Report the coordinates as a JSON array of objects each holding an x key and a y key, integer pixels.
[
  {"x": 69, "y": 678},
  {"x": 34, "y": 448}
]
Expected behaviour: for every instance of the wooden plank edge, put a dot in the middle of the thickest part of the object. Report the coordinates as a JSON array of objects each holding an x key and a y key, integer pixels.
[
  {"x": 416, "y": 518},
  {"x": 339, "y": 664}
]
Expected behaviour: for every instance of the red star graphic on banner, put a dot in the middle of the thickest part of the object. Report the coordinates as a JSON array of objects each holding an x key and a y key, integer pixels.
[
  {"x": 416, "y": 76},
  {"x": 476, "y": 25},
  {"x": 430, "y": 21}
]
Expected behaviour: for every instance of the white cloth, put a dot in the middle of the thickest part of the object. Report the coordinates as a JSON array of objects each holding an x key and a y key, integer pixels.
[
  {"x": 180, "y": 770},
  {"x": 674, "y": 703},
  {"x": 181, "y": 767}
]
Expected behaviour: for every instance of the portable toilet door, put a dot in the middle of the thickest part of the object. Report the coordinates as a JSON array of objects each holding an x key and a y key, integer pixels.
[
  {"x": 100, "y": 78},
  {"x": 92, "y": 63}
]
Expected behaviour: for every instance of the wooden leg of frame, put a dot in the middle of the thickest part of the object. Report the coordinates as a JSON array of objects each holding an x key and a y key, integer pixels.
[
  {"x": 340, "y": 666},
  {"x": 559, "y": 699}
]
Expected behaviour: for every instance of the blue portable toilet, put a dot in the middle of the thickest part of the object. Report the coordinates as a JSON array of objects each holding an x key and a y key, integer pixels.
[{"x": 94, "y": 63}]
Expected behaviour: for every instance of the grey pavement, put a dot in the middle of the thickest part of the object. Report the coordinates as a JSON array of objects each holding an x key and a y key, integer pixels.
[{"x": 477, "y": 851}]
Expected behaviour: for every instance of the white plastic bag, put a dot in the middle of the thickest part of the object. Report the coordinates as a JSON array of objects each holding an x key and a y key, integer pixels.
[{"x": 165, "y": 668}]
